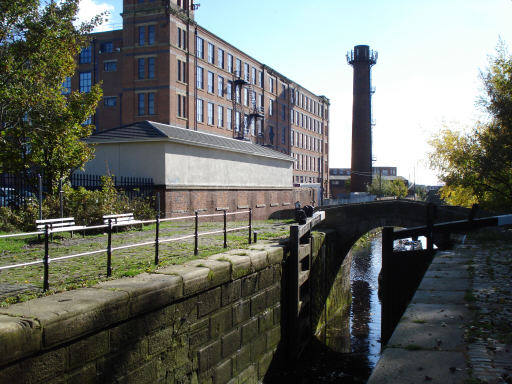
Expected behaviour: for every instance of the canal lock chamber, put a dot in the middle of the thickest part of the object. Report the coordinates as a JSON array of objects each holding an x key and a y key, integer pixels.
[{"x": 349, "y": 311}]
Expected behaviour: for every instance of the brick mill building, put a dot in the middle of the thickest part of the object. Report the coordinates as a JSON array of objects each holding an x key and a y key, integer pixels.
[{"x": 163, "y": 67}]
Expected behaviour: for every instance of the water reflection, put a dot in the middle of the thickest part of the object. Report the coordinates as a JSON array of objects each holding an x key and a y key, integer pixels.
[
  {"x": 349, "y": 346},
  {"x": 365, "y": 312}
]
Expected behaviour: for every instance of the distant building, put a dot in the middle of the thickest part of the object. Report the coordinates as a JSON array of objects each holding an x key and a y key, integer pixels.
[
  {"x": 339, "y": 178},
  {"x": 164, "y": 67}
]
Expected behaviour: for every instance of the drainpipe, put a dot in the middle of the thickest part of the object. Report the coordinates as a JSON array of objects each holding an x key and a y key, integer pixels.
[
  {"x": 289, "y": 120},
  {"x": 263, "y": 130},
  {"x": 195, "y": 79},
  {"x": 187, "y": 73},
  {"x": 322, "y": 170},
  {"x": 94, "y": 78},
  {"x": 120, "y": 109}
]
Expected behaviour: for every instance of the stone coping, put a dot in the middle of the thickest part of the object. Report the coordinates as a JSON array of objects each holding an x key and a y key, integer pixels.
[{"x": 43, "y": 323}]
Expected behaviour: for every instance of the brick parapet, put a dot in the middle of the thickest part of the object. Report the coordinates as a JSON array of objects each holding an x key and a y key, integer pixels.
[{"x": 209, "y": 320}]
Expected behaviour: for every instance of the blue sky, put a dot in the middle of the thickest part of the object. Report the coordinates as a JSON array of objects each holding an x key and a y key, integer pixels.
[{"x": 427, "y": 75}]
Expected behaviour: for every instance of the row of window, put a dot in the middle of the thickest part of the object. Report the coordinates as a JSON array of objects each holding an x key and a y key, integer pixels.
[
  {"x": 250, "y": 74},
  {"x": 302, "y": 101},
  {"x": 307, "y": 179},
  {"x": 307, "y": 163},
  {"x": 254, "y": 76},
  {"x": 301, "y": 140},
  {"x": 306, "y": 122},
  {"x": 223, "y": 117},
  {"x": 251, "y": 97},
  {"x": 225, "y": 61},
  {"x": 210, "y": 117},
  {"x": 85, "y": 56}
]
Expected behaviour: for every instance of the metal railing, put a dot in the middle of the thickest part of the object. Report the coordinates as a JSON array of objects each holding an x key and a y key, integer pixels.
[
  {"x": 389, "y": 234},
  {"x": 46, "y": 260}
]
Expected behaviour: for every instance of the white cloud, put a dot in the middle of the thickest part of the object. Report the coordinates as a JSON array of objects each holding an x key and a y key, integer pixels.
[{"x": 89, "y": 9}]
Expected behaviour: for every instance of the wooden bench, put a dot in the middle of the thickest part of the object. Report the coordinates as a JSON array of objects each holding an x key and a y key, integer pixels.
[
  {"x": 63, "y": 224},
  {"x": 121, "y": 219}
]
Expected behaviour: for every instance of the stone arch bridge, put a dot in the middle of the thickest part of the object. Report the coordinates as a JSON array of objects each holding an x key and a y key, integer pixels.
[
  {"x": 345, "y": 224},
  {"x": 351, "y": 221}
]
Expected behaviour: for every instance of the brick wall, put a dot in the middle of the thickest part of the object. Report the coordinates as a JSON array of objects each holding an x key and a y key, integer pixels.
[
  {"x": 264, "y": 203},
  {"x": 209, "y": 320}
]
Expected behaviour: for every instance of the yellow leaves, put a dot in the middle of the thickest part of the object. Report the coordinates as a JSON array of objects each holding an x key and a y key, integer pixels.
[{"x": 458, "y": 195}]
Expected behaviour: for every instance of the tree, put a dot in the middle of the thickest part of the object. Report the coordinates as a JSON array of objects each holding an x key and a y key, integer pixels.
[
  {"x": 379, "y": 186},
  {"x": 398, "y": 189},
  {"x": 41, "y": 129},
  {"x": 477, "y": 166},
  {"x": 383, "y": 187}
]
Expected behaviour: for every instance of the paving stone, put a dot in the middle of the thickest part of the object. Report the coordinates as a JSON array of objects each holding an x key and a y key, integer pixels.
[
  {"x": 428, "y": 336},
  {"x": 444, "y": 284},
  {"x": 403, "y": 366},
  {"x": 447, "y": 313},
  {"x": 438, "y": 297}
]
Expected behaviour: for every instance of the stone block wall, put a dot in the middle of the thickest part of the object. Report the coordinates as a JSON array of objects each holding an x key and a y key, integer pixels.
[{"x": 213, "y": 320}]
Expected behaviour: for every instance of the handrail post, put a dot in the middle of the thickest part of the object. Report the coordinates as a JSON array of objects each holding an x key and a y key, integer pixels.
[
  {"x": 225, "y": 230},
  {"x": 387, "y": 250},
  {"x": 195, "y": 233},
  {"x": 386, "y": 283},
  {"x": 292, "y": 288},
  {"x": 250, "y": 225},
  {"x": 46, "y": 284},
  {"x": 109, "y": 249},
  {"x": 157, "y": 230},
  {"x": 430, "y": 228}
]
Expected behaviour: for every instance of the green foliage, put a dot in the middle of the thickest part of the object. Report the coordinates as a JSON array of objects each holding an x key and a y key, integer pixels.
[
  {"x": 421, "y": 193},
  {"x": 40, "y": 128},
  {"x": 398, "y": 189},
  {"x": 87, "y": 207},
  {"x": 476, "y": 166},
  {"x": 379, "y": 186},
  {"x": 384, "y": 187}
]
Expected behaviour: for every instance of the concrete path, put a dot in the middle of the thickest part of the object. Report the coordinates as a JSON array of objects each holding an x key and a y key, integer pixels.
[{"x": 457, "y": 324}]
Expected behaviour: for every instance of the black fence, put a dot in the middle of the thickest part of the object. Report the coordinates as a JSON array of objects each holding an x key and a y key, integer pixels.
[
  {"x": 16, "y": 192},
  {"x": 132, "y": 186}
]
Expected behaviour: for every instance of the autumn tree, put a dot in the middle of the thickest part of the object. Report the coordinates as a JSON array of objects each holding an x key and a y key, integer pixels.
[
  {"x": 476, "y": 166},
  {"x": 40, "y": 127}
]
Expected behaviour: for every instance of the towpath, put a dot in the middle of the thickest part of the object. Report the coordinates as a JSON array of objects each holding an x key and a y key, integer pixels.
[{"x": 458, "y": 326}]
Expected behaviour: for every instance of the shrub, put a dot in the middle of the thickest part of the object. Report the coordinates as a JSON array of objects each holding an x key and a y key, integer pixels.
[{"x": 87, "y": 207}]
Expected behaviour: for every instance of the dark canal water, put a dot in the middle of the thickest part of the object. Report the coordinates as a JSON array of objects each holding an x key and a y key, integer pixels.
[{"x": 349, "y": 348}]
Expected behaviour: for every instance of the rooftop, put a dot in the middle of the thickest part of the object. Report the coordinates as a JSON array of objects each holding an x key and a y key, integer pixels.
[{"x": 150, "y": 131}]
